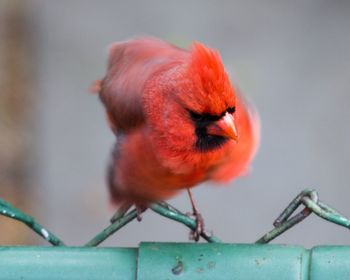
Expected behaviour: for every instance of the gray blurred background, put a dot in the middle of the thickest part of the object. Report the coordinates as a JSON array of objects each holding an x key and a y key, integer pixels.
[{"x": 291, "y": 59}]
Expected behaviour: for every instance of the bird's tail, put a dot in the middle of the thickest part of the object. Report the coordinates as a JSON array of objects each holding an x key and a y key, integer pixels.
[{"x": 96, "y": 87}]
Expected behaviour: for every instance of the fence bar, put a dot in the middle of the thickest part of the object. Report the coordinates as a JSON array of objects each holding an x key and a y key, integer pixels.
[
  {"x": 153, "y": 261},
  {"x": 65, "y": 263}
]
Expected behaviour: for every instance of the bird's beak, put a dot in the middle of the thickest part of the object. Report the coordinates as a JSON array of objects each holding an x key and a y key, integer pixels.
[{"x": 224, "y": 127}]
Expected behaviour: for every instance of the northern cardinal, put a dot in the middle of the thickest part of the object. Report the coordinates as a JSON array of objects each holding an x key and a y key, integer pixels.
[{"x": 177, "y": 119}]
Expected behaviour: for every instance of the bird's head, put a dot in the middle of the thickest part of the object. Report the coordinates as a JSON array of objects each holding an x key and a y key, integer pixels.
[
  {"x": 192, "y": 108},
  {"x": 209, "y": 99}
]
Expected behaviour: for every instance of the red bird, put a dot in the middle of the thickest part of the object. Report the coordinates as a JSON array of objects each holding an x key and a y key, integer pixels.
[{"x": 177, "y": 118}]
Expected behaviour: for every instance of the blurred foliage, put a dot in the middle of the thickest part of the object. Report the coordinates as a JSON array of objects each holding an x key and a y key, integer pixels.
[{"x": 15, "y": 109}]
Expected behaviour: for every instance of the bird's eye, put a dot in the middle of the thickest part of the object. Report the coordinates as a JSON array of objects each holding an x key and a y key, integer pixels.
[
  {"x": 204, "y": 117},
  {"x": 231, "y": 110},
  {"x": 195, "y": 116}
]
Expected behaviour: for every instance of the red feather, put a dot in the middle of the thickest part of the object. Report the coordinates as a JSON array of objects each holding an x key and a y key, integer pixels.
[{"x": 151, "y": 92}]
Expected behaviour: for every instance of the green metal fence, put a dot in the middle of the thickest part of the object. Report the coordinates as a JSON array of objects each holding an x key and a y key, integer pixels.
[
  {"x": 212, "y": 260},
  {"x": 153, "y": 261}
]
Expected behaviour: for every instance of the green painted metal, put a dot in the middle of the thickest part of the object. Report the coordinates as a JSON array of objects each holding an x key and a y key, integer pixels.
[
  {"x": 162, "y": 208},
  {"x": 286, "y": 220},
  {"x": 64, "y": 263},
  {"x": 221, "y": 261},
  {"x": 330, "y": 262},
  {"x": 308, "y": 198},
  {"x": 8, "y": 210},
  {"x": 171, "y": 212},
  {"x": 213, "y": 260},
  {"x": 153, "y": 261},
  {"x": 112, "y": 228}
]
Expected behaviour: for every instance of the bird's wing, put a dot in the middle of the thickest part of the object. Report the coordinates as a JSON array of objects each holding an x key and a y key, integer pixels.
[{"x": 130, "y": 65}]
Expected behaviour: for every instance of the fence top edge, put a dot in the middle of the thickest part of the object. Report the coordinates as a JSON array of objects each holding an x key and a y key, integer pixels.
[{"x": 173, "y": 244}]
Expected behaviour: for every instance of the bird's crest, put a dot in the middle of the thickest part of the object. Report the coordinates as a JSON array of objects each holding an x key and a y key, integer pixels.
[
  {"x": 209, "y": 75},
  {"x": 207, "y": 63}
]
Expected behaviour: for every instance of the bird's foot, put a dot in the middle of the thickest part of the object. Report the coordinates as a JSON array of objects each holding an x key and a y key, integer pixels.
[
  {"x": 139, "y": 211},
  {"x": 196, "y": 233},
  {"x": 124, "y": 208}
]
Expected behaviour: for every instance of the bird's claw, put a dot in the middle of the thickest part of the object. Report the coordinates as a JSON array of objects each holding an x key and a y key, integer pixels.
[
  {"x": 139, "y": 211},
  {"x": 196, "y": 233}
]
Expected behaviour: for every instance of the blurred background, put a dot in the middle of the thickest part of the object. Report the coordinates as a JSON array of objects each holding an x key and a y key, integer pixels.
[{"x": 290, "y": 58}]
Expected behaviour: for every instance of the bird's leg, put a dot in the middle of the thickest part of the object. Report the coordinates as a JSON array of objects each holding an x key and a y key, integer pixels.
[{"x": 195, "y": 234}]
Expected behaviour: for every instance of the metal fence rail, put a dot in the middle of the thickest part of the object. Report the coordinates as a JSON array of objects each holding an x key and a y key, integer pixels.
[
  {"x": 153, "y": 261},
  {"x": 213, "y": 260}
]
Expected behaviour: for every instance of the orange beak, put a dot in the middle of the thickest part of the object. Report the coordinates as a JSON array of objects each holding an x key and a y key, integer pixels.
[{"x": 224, "y": 127}]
